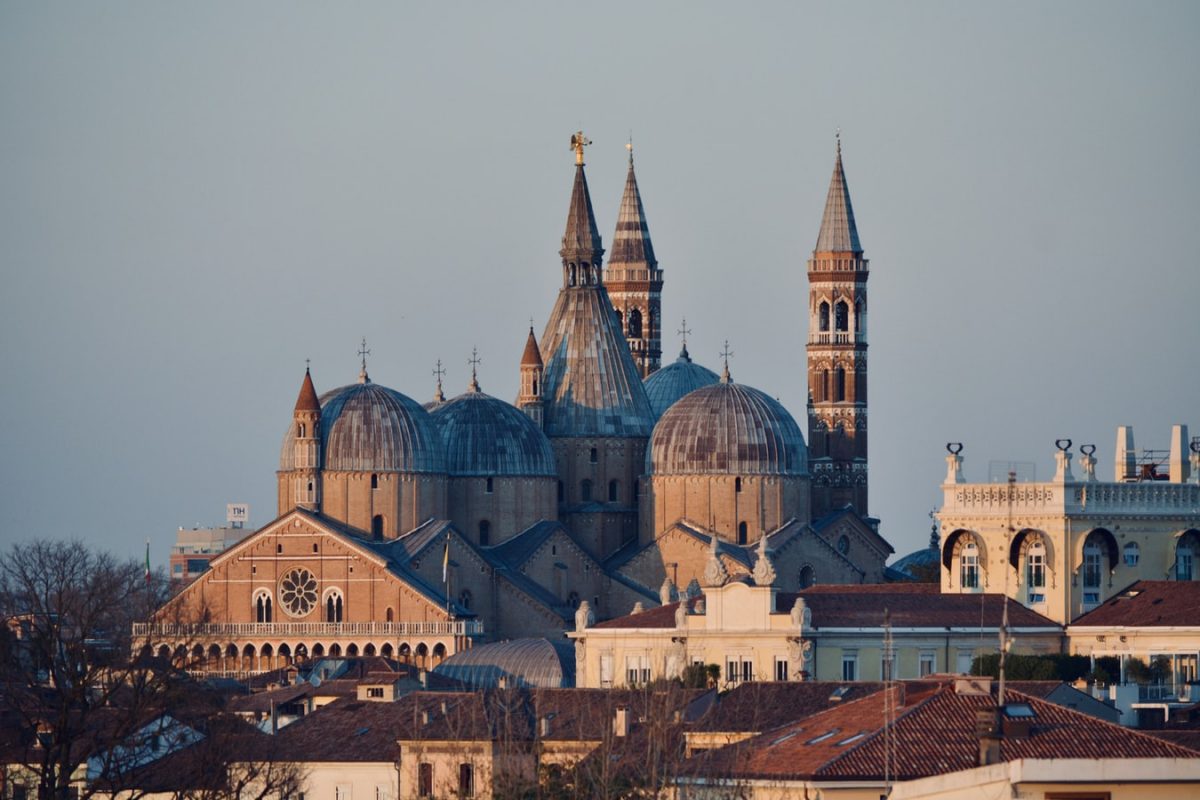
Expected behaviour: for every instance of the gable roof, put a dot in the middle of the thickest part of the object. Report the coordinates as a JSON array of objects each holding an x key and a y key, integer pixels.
[
  {"x": 934, "y": 732},
  {"x": 762, "y": 706},
  {"x": 910, "y": 605},
  {"x": 1148, "y": 604}
]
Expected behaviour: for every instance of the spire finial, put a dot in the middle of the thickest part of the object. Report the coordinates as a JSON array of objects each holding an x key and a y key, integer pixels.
[
  {"x": 838, "y": 136},
  {"x": 684, "y": 331},
  {"x": 474, "y": 361},
  {"x": 578, "y": 142},
  {"x": 438, "y": 396},
  {"x": 629, "y": 147},
  {"x": 307, "y": 364},
  {"x": 725, "y": 354},
  {"x": 363, "y": 352}
]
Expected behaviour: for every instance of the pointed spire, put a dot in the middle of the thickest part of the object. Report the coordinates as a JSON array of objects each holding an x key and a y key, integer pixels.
[
  {"x": 838, "y": 231},
  {"x": 532, "y": 357},
  {"x": 307, "y": 401},
  {"x": 438, "y": 395},
  {"x": 581, "y": 241},
  {"x": 631, "y": 242}
]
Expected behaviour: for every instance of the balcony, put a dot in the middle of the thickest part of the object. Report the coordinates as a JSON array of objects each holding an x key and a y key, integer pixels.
[{"x": 325, "y": 630}]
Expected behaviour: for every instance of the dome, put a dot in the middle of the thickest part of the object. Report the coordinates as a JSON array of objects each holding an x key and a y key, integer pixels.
[
  {"x": 667, "y": 385},
  {"x": 533, "y": 663},
  {"x": 366, "y": 427},
  {"x": 729, "y": 429},
  {"x": 482, "y": 435},
  {"x": 919, "y": 564}
]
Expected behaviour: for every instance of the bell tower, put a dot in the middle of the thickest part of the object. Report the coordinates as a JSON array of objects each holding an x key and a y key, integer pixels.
[
  {"x": 633, "y": 279},
  {"x": 837, "y": 356},
  {"x": 305, "y": 477}
]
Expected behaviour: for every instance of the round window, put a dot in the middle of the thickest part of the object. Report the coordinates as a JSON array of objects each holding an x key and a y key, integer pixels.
[
  {"x": 298, "y": 592},
  {"x": 843, "y": 545}
]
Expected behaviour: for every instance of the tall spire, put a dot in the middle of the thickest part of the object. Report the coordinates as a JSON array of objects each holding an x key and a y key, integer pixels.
[
  {"x": 838, "y": 231},
  {"x": 581, "y": 240},
  {"x": 307, "y": 401},
  {"x": 631, "y": 242},
  {"x": 532, "y": 357}
]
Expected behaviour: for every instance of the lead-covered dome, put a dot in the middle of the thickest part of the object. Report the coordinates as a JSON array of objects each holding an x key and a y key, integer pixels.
[
  {"x": 482, "y": 435},
  {"x": 727, "y": 429},
  {"x": 366, "y": 427},
  {"x": 665, "y": 386}
]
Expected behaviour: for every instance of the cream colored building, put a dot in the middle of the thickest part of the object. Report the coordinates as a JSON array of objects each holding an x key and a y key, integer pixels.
[
  {"x": 1064, "y": 546},
  {"x": 827, "y": 632}
]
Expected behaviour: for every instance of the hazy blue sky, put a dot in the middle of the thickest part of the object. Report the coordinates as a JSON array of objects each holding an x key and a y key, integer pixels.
[{"x": 195, "y": 198}]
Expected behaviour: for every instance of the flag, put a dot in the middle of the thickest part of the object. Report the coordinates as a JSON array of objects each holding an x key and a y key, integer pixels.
[
  {"x": 147, "y": 561},
  {"x": 446, "y": 560}
]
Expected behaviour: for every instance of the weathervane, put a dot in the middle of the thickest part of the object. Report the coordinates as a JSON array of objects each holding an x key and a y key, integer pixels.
[{"x": 578, "y": 142}]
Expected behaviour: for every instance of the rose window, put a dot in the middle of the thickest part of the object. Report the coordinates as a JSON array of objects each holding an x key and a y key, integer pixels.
[{"x": 298, "y": 592}]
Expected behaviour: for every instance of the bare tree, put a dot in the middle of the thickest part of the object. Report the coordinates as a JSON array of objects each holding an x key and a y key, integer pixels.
[{"x": 68, "y": 676}]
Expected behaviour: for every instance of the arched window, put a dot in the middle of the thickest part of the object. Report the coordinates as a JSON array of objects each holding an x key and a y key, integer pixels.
[
  {"x": 464, "y": 599},
  {"x": 743, "y": 533},
  {"x": 613, "y": 491},
  {"x": 807, "y": 576},
  {"x": 1092, "y": 558},
  {"x": 561, "y": 492},
  {"x": 823, "y": 317},
  {"x": 300, "y": 429},
  {"x": 1186, "y": 550},
  {"x": 737, "y": 484},
  {"x": 1131, "y": 554},
  {"x": 585, "y": 491},
  {"x": 843, "y": 544},
  {"x": 858, "y": 317},
  {"x": 485, "y": 533},
  {"x": 333, "y": 607},
  {"x": 573, "y": 599},
  {"x": 377, "y": 526},
  {"x": 635, "y": 323},
  {"x": 839, "y": 385},
  {"x": 620, "y": 320},
  {"x": 374, "y": 480},
  {"x": 824, "y": 386},
  {"x": 390, "y": 615},
  {"x": 262, "y": 606},
  {"x": 969, "y": 566},
  {"x": 1035, "y": 571},
  {"x": 489, "y": 486},
  {"x": 637, "y": 490},
  {"x": 594, "y": 455},
  {"x": 841, "y": 320}
]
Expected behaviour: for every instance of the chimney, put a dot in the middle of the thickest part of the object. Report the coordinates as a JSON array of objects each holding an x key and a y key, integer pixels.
[
  {"x": 544, "y": 727},
  {"x": 1180, "y": 465},
  {"x": 426, "y": 717},
  {"x": 1125, "y": 464},
  {"x": 621, "y": 721},
  {"x": 987, "y": 730}
]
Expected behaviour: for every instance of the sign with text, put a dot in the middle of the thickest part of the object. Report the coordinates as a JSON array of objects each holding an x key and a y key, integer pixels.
[{"x": 237, "y": 512}]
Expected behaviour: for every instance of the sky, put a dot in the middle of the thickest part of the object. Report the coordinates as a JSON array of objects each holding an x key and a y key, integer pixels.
[{"x": 195, "y": 198}]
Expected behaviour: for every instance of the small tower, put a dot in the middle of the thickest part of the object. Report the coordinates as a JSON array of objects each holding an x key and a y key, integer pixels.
[
  {"x": 633, "y": 279},
  {"x": 837, "y": 356},
  {"x": 306, "y": 475},
  {"x": 530, "y": 398}
]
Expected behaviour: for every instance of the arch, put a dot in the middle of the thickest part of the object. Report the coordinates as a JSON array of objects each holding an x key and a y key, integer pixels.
[
  {"x": 318, "y": 650},
  {"x": 489, "y": 484},
  {"x": 839, "y": 384},
  {"x": 231, "y": 650},
  {"x": 464, "y": 599},
  {"x": 637, "y": 491},
  {"x": 585, "y": 490},
  {"x": 266, "y": 657},
  {"x": 485, "y": 533},
  {"x": 439, "y": 653},
  {"x": 352, "y": 650},
  {"x": 743, "y": 534},
  {"x": 262, "y": 605},
  {"x": 737, "y": 484},
  {"x": 858, "y": 316},
  {"x": 404, "y": 653},
  {"x": 249, "y": 657},
  {"x": 1187, "y": 552},
  {"x": 377, "y": 526},
  {"x": 562, "y": 492},
  {"x": 300, "y": 430},
  {"x": 614, "y": 491},
  {"x": 301, "y": 653},
  {"x": 1131, "y": 554},
  {"x": 421, "y": 655},
  {"x": 390, "y": 614},
  {"x": 823, "y": 317},
  {"x": 214, "y": 654},
  {"x": 387, "y": 651},
  {"x": 808, "y": 576},
  {"x": 634, "y": 327},
  {"x": 334, "y": 605},
  {"x": 1016, "y": 550},
  {"x": 841, "y": 317},
  {"x": 1107, "y": 543},
  {"x": 954, "y": 541},
  {"x": 285, "y": 654},
  {"x": 374, "y": 480},
  {"x": 335, "y": 650},
  {"x": 573, "y": 599},
  {"x": 369, "y": 650}
]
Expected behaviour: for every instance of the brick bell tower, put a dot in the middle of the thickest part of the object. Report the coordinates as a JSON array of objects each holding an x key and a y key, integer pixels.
[{"x": 837, "y": 356}]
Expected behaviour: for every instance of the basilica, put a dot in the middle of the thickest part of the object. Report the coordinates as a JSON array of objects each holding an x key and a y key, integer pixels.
[{"x": 612, "y": 483}]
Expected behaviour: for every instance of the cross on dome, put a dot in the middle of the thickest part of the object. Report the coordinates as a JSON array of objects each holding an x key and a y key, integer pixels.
[
  {"x": 474, "y": 361},
  {"x": 725, "y": 354},
  {"x": 363, "y": 352}
]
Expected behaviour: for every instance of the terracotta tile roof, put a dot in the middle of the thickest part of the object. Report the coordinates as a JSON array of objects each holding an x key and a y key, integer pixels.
[
  {"x": 532, "y": 357},
  {"x": 934, "y": 734},
  {"x": 307, "y": 400},
  {"x": 763, "y": 706},
  {"x": 1149, "y": 604},
  {"x": 911, "y": 605},
  {"x": 587, "y": 714}
]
